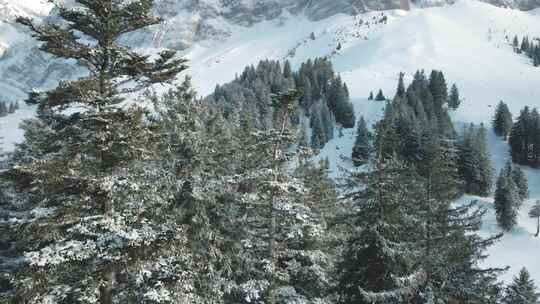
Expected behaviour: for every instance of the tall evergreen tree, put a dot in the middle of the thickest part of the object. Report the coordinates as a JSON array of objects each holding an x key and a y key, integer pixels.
[
  {"x": 474, "y": 161},
  {"x": 521, "y": 182},
  {"x": 362, "y": 145},
  {"x": 502, "y": 121},
  {"x": 378, "y": 262},
  {"x": 454, "y": 100},
  {"x": 506, "y": 201},
  {"x": 400, "y": 92},
  {"x": 522, "y": 290},
  {"x": 380, "y": 96},
  {"x": 534, "y": 213},
  {"x": 105, "y": 204}
]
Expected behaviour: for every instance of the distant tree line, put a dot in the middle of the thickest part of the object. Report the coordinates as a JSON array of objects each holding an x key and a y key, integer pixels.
[
  {"x": 325, "y": 97},
  {"x": 524, "y": 138},
  {"x": 8, "y": 107},
  {"x": 529, "y": 47}
]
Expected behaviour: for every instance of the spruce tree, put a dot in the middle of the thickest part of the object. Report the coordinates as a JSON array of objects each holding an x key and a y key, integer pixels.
[
  {"x": 506, "y": 201},
  {"x": 515, "y": 43},
  {"x": 105, "y": 203},
  {"x": 454, "y": 99},
  {"x": 534, "y": 213},
  {"x": 502, "y": 121},
  {"x": 400, "y": 92},
  {"x": 522, "y": 290},
  {"x": 521, "y": 183},
  {"x": 362, "y": 145},
  {"x": 380, "y": 96},
  {"x": 474, "y": 161},
  {"x": 378, "y": 264}
]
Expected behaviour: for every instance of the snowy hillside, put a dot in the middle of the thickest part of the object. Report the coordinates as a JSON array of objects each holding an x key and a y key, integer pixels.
[{"x": 467, "y": 40}]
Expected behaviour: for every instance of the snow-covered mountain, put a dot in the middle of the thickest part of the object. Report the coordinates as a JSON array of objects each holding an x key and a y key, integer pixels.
[{"x": 468, "y": 40}]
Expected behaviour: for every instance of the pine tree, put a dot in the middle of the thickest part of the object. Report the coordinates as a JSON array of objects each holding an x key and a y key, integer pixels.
[
  {"x": 439, "y": 89},
  {"x": 534, "y": 213},
  {"x": 525, "y": 44},
  {"x": 515, "y": 43},
  {"x": 401, "y": 86},
  {"x": 474, "y": 161},
  {"x": 106, "y": 204},
  {"x": 380, "y": 96},
  {"x": 454, "y": 101},
  {"x": 362, "y": 145},
  {"x": 521, "y": 183},
  {"x": 502, "y": 121},
  {"x": 370, "y": 95},
  {"x": 378, "y": 262},
  {"x": 3, "y": 109},
  {"x": 506, "y": 201},
  {"x": 522, "y": 290}
]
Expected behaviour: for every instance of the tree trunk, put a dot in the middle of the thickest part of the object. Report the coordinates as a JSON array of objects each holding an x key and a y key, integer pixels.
[{"x": 105, "y": 291}]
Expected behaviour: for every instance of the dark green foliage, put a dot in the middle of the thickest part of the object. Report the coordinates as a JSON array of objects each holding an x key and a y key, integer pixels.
[
  {"x": 439, "y": 90},
  {"x": 3, "y": 109},
  {"x": 454, "y": 100},
  {"x": 380, "y": 96},
  {"x": 525, "y": 138},
  {"x": 529, "y": 47},
  {"x": 325, "y": 98},
  {"x": 95, "y": 164},
  {"x": 534, "y": 213},
  {"x": 522, "y": 290},
  {"x": 474, "y": 161},
  {"x": 400, "y": 92},
  {"x": 362, "y": 145},
  {"x": 381, "y": 248},
  {"x": 506, "y": 200},
  {"x": 515, "y": 42},
  {"x": 521, "y": 182},
  {"x": 502, "y": 121},
  {"x": 413, "y": 122}
]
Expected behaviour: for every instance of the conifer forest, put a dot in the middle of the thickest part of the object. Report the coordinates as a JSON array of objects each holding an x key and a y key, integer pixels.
[{"x": 269, "y": 152}]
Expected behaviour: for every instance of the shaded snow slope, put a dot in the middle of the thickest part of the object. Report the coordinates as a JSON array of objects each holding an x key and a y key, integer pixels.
[{"x": 466, "y": 40}]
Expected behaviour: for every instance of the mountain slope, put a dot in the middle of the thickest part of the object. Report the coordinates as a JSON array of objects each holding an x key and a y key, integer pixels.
[{"x": 468, "y": 41}]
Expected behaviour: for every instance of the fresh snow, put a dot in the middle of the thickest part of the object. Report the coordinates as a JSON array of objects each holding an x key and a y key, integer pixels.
[{"x": 467, "y": 40}]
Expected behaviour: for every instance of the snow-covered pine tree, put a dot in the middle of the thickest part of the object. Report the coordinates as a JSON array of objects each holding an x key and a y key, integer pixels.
[
  {"x": 446, "y": 227},
  {"x": 534, "y": 213},
  {"x": 502, "y": 121},
  {"x": 379, "y": 261},
  {"x": 281, "y": 231},
  {"x": 363, "y": 144},
  {"x": 522, "y": 290},
  {"x": 99, "y": 226}
]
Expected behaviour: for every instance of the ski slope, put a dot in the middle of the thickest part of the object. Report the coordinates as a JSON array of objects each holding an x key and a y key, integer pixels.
[{"x": 467, "y": 40}]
